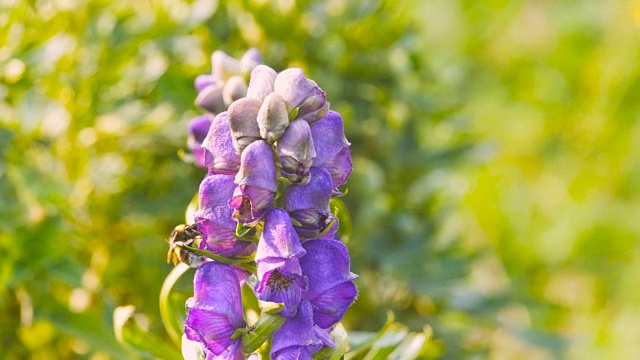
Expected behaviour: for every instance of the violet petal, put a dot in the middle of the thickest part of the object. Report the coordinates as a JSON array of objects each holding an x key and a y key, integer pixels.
[{"x": 221, "y": 157}]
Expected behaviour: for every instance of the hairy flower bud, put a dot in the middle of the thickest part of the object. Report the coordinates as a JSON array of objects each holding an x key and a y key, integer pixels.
[
  {"x": 272, "y": 118},
  {"x": 235, "y": 88},
  {"x": 210, "y": 99},
  {"x": 224, "y": 66},
  {"x": 242, "y": 119},
  {"x": 261, "y": 82},
  {"x": 296, "y": 151}
]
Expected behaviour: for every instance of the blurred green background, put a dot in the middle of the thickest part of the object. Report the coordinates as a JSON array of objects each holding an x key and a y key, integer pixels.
[{"x": 496, "y": 187}]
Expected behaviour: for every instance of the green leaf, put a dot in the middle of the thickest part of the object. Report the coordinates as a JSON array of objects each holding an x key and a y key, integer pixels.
[
  {"x": 172, "y": 323},
  {"x": 131, "y": 333}
]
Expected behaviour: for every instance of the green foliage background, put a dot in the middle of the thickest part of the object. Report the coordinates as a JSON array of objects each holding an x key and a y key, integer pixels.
[{"x": 496, "y": 144}]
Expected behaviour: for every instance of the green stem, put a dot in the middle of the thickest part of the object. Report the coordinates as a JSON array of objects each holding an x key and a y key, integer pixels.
[
  {"x": 171, "y": 322},
  {"x": 243, "y": 262}
]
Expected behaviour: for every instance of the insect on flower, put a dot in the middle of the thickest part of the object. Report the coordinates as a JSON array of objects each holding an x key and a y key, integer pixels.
[{"x": 181, "y": 237}]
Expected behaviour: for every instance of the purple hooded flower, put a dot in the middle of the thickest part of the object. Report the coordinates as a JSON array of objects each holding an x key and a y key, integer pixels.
[
  {"x": 273, "y": 118},
  {"x": 302, "y": 94},
  {"x": 210, "y": 98},
  {"x": 215, "y": 218},
  {"x": 279, "y": 275},
  {"x": 198, "y": 130},
  {"x": 297, "y": 338},
  {"x": 308, "y": 204},
  {"x": 330, "y": 282},
  {"x": 256, "y": 181},
  {"x": 332, "y": 147},
  {"x": 215, "y": 311},
  {"x": 296, "y": 150},
  {"x": 244, "y": 126},
  {"x": 261, "y": 82},
  {"x": 220, "y": 157}
]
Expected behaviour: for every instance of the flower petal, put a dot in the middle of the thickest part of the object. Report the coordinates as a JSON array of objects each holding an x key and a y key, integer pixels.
[
  {"x": 296, "y": 339},
  {"x": 198, "y": 130},
  {"x": 261, "y": 82},
  {"x": 221, "y": 157},
  {"x": 257, "y": 167},
  {"x": 332, "y": 147},
  {"x": 244, "y": 126},
  {"x": 296, "y": 150},
  {"x": 308, "y": 204},
  {"x": 295, "y": 88}
]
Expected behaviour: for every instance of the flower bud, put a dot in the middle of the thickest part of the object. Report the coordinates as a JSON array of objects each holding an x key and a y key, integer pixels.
[
  {"x": 198, "y": 130},
  {"x": 332, "y": 148},
  {"x": 203, "y": 81},
  {"x": 210, "y": 99},
  {"x": 224, "y": 66},
  {"x": 235, "y": 88},
  {"x": 242, "y": 119},
  {"x": 250, "y": 60},
  {"x": 273, "y": 118},
  {"x": 261, "y": 82},
  {"x": 296, "y": 151},
  {"x": 314, "y": 107},
  {"x": 295, "y": 88}
]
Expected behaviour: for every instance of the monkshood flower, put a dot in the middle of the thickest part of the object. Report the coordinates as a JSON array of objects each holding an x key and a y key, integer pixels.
[
  {"x": 227, "y": 82},
  {"x": 332, "y": 148},
  {"x": 215, "y": 218},
  {"x": 298, "y": 337},
  {"x": 296, "y": 151},
  {"x": 279, "y": 274},
  {"x": 330, "y": 288},
  {"x": 257, "y": 184},
  {"x": 215, "y": 311},
  {"x": 220, "y": 157},
  {"x": 308, "y": 204},
  {"x": 242, "y": 120},
  {"x": 198, "y": 130}
]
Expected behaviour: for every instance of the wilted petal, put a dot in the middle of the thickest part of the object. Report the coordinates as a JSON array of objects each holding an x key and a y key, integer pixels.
[
  {"x": 331, "y": 289},
  {"x": 250, "y": 60},
  {"x": 203, "y": 81},
  {"x": 295, "y": 88},
  {"x": 261, "y": 82},
  {"x": 273, "y": 118},
  {"x": 332, "y": 147},
  {"x": 198, "y": 130},
  {"x": 308, "y": 204},
  {"x": 296, "y": 339},
  {"x": 244, "y": 126},
  {"x": 296, "y": 150},
  {"x": 215, "y": 310},
  {"x": 235, "y": 88},
  {"x": 221, "y": 157},
  {"x": 210, "y": 98}
]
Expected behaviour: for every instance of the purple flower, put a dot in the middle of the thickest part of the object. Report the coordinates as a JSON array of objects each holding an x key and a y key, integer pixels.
[
  {"x": 215, "y": 218},
  {"x": 332, "y": 148},
  {"x": 244, "y": 126},
  {"x": 296, "y": 151},
  {"x": 297, "y": 338},
  {"x": 304, "y": 94},
  {"x": 308, "y": 204},
  {"x": 215, "y": 311},
  {"x": 210, "y": 98},
  {"x": 256, "y": 181},
  {"x": 198, "y": 130},
  {"x": 330, "y": 282},
  {"x": 220, "y": 157},
  {"x": 279, "y": 275}
]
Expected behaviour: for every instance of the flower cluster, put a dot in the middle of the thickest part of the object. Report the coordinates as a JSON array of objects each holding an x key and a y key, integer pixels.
[{"x": 275, "y": 158}]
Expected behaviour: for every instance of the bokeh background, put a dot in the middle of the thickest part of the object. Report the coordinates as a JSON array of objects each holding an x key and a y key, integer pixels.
[{"x": 495, "y": 196}]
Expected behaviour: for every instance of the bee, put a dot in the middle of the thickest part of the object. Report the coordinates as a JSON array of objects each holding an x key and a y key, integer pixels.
[{"x": 181, "y": 236}]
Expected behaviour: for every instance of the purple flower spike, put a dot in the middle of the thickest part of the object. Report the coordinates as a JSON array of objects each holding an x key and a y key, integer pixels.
[
  {"x": 261, "y": 82},
  {"x": 215, "y": 310},
  {"x": 279, "y": 275},
  {"x": 215, "y": 218},
  {"x": 220, "y": 157},
  {"x": 242, "y": 119},
  {"x": 309, "y": 204},
  {"x": 331, "y": 289},
  {"x": 296, "y": 151},
  {"x": 256, "y": 181},
  {"x": 198, "y": 130},
  {"x": 297, "y": 338},
  {"x": 332, "y": 147}
]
